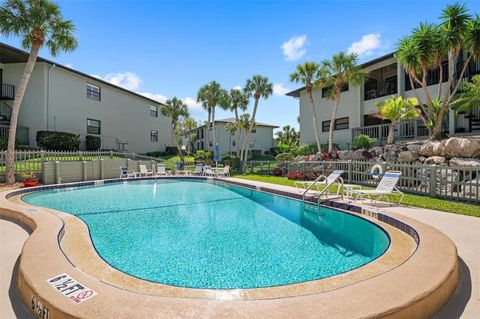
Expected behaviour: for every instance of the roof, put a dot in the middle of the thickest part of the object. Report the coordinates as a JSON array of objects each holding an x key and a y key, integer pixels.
[
  {"x": 232, "y": 120},
  {"x": 296, "y": 93},
  {"x": 10, "y": 54}
]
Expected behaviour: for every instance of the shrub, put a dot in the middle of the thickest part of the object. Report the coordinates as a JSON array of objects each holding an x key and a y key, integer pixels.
[
  {"x": 233, "y": 161},
  {"x": 171, "y": 150},
  {"x": 305, "y": 149},
  {"x": 273, "y": 151},
  {"x": 156, "y": 154},
  {"x": 58, "y": 141},
  {"x": 285, "y": 157},
  {"x": 255, "y": 153},
  {"x": 283, "y": 148},
  {"x": 296, "y": 175},
  {"x": 204, "y": 157},
  {"x": 276, "y": 172},
  {"x": 92, "y": 143},
  {"x": 363, "y": 141}
]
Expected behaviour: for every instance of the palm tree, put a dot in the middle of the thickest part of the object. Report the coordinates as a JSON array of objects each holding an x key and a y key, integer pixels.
[
  {"x": 238, "y": 101},
  {"x": 395, "y": 109},
  {"x": 231, "y": 128},
  {"x": 212, "y": 95},
  {"x": 38, "y": 23},
  {"x": 336, "y": 73},
  {"x": 308, "y": 73},
  {"x": 189, "y": 124},
  {"x": 244, "y": 124},
  {"x": 175, "y": 109},
  {"x": 257, "y": 87},
  {"x": 429, "y": 44},
  {"x": 469, "y": 99},
  {"x": 287, "y": 136}
]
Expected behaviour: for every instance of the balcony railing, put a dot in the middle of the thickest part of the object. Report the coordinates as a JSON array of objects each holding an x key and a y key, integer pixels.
[
  {"x": 22, "y": 136},
  {"x": 404, "y": 130},
  {"x": 7, "y": 92}
]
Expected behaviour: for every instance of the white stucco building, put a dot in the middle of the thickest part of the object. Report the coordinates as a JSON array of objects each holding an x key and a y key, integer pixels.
[
  {"x": 59, "y": 98},
  {"x": 357, "y": 105}
]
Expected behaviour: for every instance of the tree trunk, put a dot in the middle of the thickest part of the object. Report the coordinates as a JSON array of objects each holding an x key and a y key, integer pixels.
[
  {"x": 239, "y": 132},
  {"x": 17, "y": 102},
  {"x": 229, "y": 143},
  {"x": 391, "y": 132},
  {"x": 437, "y": 133},
  {"x": 247, "y": 135},
  {"x": 207, "y": 142},
  {"x": 332, "y": 124},
  {"x": 174, "y": 129},
  {"x": 424, "y": 114},
  {"x": 213, "y": 128},
  {"x": 314, "y": 120}
]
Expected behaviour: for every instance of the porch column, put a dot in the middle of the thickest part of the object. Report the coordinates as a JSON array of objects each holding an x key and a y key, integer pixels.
[
  {"x": 400, "y": 80},
  {"x": 451, "y": 122}
]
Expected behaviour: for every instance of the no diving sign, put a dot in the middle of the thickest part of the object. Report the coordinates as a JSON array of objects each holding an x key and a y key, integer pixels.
[{"x": 71, "y": 289}]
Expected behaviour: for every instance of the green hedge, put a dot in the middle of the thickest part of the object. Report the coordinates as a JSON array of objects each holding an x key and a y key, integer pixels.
[
  {"x": 58, "y": 141},
  {"x": 92, "y": 143}
]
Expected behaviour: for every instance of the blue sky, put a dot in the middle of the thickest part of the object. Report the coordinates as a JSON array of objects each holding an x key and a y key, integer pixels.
[{"x": 171, "y": 48}]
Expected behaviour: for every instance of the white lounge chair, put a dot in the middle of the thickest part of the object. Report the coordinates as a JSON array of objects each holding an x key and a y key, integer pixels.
[
  {"x": 125, "y": 173},
  {"x": 386, "y": 186},
  {"x": 317, "y": 186},
  {"x": 208, "y": 171},
  {"x": 225, "y": 172},
  {"x": 198, "y": 169},
  {"x": 144, "y": 171},
  {"x": 161, "y": 169}
]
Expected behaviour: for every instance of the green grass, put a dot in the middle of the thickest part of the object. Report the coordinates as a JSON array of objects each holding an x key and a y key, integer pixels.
[
  {"x": 263, "y": 158},
  {"x": 444, "y": 205},
  {"x": 176, "y": 158}
]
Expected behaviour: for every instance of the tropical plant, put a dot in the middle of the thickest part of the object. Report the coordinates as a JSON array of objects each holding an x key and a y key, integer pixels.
[
  {"x": 257, "y": 87},
  {"x": 238, "y": 101},
  {"x": 395, "y": 109},
  {"x": 231, "y": 128},
  {"x": 309, "y": 74},
  {"x": 287, "y": 135},
  {"x": 470, "y": 96},
  {"x": 212, "y": 95},
  {"x": 363, "y": 141},
  {"x": 336, "y": 73},
  {"x": 175, "y": 109},
  {"x": 189, "y": 125},
  {"x": 38, "y": 23},
  {"x": 425, "y": 50}
]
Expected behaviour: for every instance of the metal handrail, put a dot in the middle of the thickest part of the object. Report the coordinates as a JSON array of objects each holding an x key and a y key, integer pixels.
[
  {"x": 311, "y": 185},
  {"x": 327, "y": 186}
]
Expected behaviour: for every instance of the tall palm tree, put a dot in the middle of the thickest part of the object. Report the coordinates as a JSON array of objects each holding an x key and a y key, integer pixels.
[
  {"x": 238, "y": 101},
  {"x": 308, "y": 73},
  {"x": 231, "y": 128},
  {"x": 175, "y": 109},
  {"x": 287, "y": 136},
  {"x": 189, "y": 124},
  {"x": 244, "y": 124},
  {"x": 38, "y": 23},
  {"x": 257, "y": 87},
  {"x": 212, "y": 95},
  {"x": 341, "y": 70}
]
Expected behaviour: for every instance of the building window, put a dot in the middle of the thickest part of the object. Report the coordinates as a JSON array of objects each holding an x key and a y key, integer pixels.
[
  {"x": 340, "y": 124},
  {"x": 153, "y": 136},
  {"x": 93, "y": 126},
  {"x": 328, "y": 89},
  {"x": 233, "y": 143},
  {"x": 153, "y": 111},
  {"x": 251, "y": 144},
  {"x": 381, "y": 82},
  {"x": 93, "y": 92},
  {"x": 254, "y": 130}
]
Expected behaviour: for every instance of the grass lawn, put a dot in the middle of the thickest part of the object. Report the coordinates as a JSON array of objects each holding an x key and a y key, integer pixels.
[
  {"x": 176, "y": 158},
  {"x": 444, "y": 205}
]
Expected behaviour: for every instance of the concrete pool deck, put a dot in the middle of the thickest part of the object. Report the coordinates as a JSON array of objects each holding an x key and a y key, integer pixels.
[{"x": 307, "y": 302}]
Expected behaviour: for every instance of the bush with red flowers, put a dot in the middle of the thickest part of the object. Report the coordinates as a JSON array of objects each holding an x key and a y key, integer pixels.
[{"x": 296, "y": 176}]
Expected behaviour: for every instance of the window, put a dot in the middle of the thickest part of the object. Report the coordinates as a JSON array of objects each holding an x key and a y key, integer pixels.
[
  {"x": 233, "y": 143},
  {"x": 153, "y": 111},
  {"x": 153, "y": 136},
  {"x": 340, "y": 124},
  {"x": 93, "y": 126},
  {"x": 326, "y": 90},
  {"x": 254, "y": 130},
  {"x": 93, "y": 92},
  {"x": 251, "y": 144}
]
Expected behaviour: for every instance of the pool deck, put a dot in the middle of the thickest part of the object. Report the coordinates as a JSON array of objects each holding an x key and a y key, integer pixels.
[{"x": 463, "y": 230}]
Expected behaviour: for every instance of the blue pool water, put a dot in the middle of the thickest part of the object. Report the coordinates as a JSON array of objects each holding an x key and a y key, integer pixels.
[{"x": 212, "y": 235}]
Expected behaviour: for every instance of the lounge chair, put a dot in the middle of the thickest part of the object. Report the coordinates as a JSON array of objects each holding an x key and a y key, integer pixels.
[
  {"x": 125, "y": 173},
  {"x": 161, "y": 169},
  {"x": 144, "y": 171},
  {"x": 386, "y": 186},
  {"x": 208, "y": 171},
  {"x": 225, "y": 172},
  {"x": 198, "y": 169},
  {"x": 317, "y": 186}
]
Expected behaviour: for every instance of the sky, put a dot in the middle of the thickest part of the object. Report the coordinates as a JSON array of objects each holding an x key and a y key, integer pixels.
[{"x": 171, "y": 48}]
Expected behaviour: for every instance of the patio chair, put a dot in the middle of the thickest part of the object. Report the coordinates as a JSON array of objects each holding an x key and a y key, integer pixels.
[
  {"x": 198, "y": 169},
  {"x": 225, "y": 172},
  {"x": 125, "y": 173},
  {"x": 144, "y": 171},
  {"x": 386, "y": 186},
  {"x": 319, "y": 184},
  {"x": 161, "y": 169},
  {"x": 208, "y": 171}
]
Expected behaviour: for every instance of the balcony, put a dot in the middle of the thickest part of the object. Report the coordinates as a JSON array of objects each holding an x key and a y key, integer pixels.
[
  {"x": 22, "y": 136},
  {"x": 405, "y": 130},
  {"x": 381, "y": 82},
  {"x": 7, "y": 92}
]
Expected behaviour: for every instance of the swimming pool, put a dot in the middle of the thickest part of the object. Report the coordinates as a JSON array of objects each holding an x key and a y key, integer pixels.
[{"x": 201, "y": 234}]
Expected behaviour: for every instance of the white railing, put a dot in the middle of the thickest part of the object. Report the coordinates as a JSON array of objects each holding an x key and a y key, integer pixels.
[
  {"x": 404, "y": 130},
  {"x": 22, "y": 136}
]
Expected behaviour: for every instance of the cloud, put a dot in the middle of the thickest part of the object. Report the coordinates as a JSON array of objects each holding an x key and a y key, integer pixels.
[
  {"x": 294, "y": 48},
  {"x": 238, "y": 87},
  {"x": 279, "y": 89},
  {"x": 192, "y": 104},
  {"x": 157, "y": 97},
  {"x": 366, "y": 45},
  {"x": 127, "y": 80}
]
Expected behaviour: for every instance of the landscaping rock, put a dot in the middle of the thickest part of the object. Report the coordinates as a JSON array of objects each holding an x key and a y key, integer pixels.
[
  {"x": 422, "y": 159},
  {"x": 435, "y": 160},
  {"x": 459, "y": 146},
  {"x": 431, "y": 148},
  {"x": 376, "y": 151},
  {"x": 343, "y": 155},
  {"x": 414, "y": 147},
  {"x": 407, "y": 157},
  {"x": 470, "y": 162}
]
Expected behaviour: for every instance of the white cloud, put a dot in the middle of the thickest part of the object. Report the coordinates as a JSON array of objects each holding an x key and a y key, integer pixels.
[
  {"x": 127, "y": 80},
  {"x": 294, "y": 48},
  {"x": 192, "y": 104},
  {"x": 157, "y": 97},
  {"x": 366, "y": 45},
  {"x": 279, "y": 89},
  {"x": 238, "y": 87}
]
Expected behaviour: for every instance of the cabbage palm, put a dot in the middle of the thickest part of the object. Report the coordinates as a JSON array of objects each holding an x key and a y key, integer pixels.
[
  {"x": 341, "y": 70},
  {"x": 287, "y": 136},
  {"x": 212, "y": 95},
  {"x": 231, "y": 128},
  {"x": 175, "y": 109},
  {"x": 395, "y": 109},
  {"x": 308, "y": 74},
  {"x": 257, "y": 87},
  {"x": 38, "y": 23},
  {"x": 238, "y": 101}
]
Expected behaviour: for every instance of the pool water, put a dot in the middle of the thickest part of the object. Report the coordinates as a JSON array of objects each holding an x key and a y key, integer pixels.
[{"x": 200, "y": 234}]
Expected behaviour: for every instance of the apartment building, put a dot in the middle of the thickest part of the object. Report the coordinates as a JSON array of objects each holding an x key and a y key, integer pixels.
[
  {"x": 356, "y": 112},
  {"x": 59, "y": 98}
]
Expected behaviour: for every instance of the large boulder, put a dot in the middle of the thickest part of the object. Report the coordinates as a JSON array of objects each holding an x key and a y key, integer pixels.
[
  {"x": 431, "y": 148},
  {"x": 414, "y": 147},
  {"x": 390, "y": 152},
  {"x": 461, "y": 147},
  {"x": 407, "y": 156},
  {"x": 376, "y": 151},
  {"x": 343, "y": 155},
  {"x": 435, "y": 160},
  {"x": 470, "y": 162}
]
